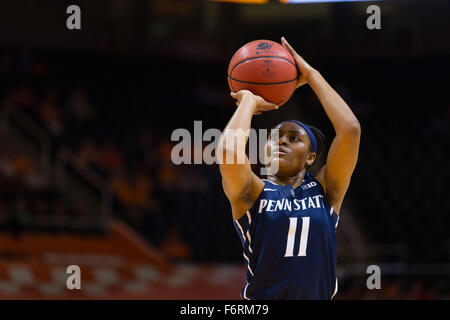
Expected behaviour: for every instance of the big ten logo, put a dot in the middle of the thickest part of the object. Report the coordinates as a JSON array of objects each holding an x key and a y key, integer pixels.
[
  {"x": 74, "y": 280},
  {"x": 309, "y": 185}
]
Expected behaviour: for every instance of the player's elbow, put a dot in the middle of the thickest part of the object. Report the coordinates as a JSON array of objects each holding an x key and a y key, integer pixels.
[
  {"x": 357, "y": 127},
  {"x": 353, "y": 129}
]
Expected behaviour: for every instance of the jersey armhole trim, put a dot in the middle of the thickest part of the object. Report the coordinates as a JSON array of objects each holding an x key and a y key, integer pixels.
[
  {"x": 325, "y": 195},
  {"x": 271, "y": 182},
  {"x": 335, "y": 289},
  {"x": 253, "y": 205},
  {"x": 245, "y": 292}
]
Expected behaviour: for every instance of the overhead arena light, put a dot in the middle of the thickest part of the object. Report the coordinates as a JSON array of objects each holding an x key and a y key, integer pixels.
[
  {"x": 243, "y": 1},
  {"x": 319, "y": 1},
  {"x": 289, "y": 1}
]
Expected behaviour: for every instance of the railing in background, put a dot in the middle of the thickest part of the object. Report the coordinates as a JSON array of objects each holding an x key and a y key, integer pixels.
[
  {"x": 80, "y": 186},
  {"x": 32, "y": 139}
]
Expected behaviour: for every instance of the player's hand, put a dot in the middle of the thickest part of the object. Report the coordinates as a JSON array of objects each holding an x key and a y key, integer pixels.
[
  {"x": 263, "y": 105},
  {"x": 304, "y": 68},
  {"x": 243, "y": 95},
  {"x": 259, "y": 103}
]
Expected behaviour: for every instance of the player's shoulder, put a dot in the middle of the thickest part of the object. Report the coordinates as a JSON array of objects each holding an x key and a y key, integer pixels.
[
  {"x": 270, "y": 184},
  {"x": 320, "y": 178}
]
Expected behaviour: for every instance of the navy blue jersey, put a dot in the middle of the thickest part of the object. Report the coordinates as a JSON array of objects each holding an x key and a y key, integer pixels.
[{"x": 289, "y": 242}]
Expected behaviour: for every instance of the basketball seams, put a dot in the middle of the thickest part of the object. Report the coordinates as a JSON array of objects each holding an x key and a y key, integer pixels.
[
  {"x": 230, "y": 81},
  {"x": 231, "y": 84},
  {"x": 254, "y": 58},
  {"x": 262, "y": 83}
]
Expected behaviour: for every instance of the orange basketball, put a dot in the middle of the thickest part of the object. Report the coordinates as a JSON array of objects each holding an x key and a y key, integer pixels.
[{"x": 265, "y": 68}]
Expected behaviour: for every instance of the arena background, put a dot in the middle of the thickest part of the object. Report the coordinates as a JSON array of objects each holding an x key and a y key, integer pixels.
[{"x": 86, "y": 176}]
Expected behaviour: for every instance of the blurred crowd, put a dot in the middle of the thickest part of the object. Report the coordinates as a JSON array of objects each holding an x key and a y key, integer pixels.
[
  {"x": 395, "y": 288},
  {"x": 27, "y": 200},
  {"x": 134, "y": 161},
  {"x": 400, "y": 181}
]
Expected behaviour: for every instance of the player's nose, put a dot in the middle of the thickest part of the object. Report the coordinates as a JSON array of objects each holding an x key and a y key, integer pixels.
[{"x": 283, "y": 141}]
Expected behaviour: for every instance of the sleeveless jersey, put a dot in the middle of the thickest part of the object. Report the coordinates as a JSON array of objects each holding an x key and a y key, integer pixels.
[{"x": 289, "y": 242}]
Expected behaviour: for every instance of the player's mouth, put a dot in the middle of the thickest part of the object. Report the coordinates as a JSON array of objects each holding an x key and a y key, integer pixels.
[{"x": 279, "y": 151}]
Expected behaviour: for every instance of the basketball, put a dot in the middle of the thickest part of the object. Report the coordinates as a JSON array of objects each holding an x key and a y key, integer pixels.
[{"x": 265, "y": 68}]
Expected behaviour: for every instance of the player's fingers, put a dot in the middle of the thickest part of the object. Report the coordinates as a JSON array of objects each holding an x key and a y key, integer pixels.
[
  {"x": 269, "y": 106},
  {"x": 298, "y": 58},
  {"x": 287, "y": 46},
  {"x": 265, "y": 105}
]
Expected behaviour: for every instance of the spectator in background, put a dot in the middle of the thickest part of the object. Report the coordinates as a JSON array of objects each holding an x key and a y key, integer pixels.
[
  {"x": 20, "y": 96},
  {"x": 7, "y": 169},
  {"x": 50, "y": 114},
  {"x": 5, "y": 215},
  {"x": 21, "y": 210},
  {"x": 168, "y": 173},
  {"x": 28, "y": 172},
  {"x": 110, "y": 157},
  {"x": 134, "y": 191},
  {"x": 143, "y": 191},
  {"x": 136, "y": 198},
  {"x": 19, "y": 170},
  {"x": 418, "y": 291},
  {"x": 145, "y": 151},
  {"x": 79, "y": 116},
  {"x": 118, "y": 181},
  {"x": 80, "y": 106},
  {"x": 87, "y": 153}
]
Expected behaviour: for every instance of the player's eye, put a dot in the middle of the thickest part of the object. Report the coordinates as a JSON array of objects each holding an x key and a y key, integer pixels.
[{"x": 294, "y": 138}]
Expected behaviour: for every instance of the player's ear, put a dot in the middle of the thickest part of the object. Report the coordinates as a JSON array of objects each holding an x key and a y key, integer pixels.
[{"x": 311, "y": 159}]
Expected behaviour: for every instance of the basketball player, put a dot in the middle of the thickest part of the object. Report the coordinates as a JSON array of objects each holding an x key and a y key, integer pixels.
[{"x": 287, "y": 222}]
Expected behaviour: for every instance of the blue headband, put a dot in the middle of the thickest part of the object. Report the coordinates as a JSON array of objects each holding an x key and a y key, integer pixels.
[{"x": 311, "y": 135}]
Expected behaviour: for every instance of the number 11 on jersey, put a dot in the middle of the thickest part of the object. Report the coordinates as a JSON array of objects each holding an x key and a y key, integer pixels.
[{"x": 291, "y": 237}]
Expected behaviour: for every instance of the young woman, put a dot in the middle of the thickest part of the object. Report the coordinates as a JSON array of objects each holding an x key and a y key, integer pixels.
[{"x": 287, "y": 222}]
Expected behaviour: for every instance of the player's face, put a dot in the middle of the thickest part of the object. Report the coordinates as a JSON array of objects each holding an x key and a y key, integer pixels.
[{"x": 291, "y": 150}]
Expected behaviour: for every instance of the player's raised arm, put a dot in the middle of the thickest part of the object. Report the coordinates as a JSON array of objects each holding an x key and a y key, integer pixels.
[
  {"x": 240, "y": 184},
  {"x": 343, "y": 154}
]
